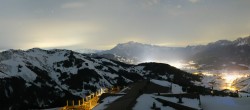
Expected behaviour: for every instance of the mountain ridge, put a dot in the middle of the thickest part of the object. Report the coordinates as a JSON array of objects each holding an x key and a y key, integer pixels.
[
  {"x": 37, "y": 78},
  {"x": 136, "y": 53}
]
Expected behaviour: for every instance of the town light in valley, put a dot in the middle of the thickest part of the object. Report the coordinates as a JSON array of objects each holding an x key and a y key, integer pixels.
[{"x": 229, "y": 79}]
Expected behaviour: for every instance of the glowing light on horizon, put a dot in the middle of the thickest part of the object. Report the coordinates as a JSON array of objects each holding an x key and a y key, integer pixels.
[
  {"x": 176, "y": 64},
  {"x": 232, "y": 88},
  {"x": 229, "y": 80},
  {"x": 196, "y": 73},
  {"x": 208, "y": 74},
  {"x": 54, "y": 44}
]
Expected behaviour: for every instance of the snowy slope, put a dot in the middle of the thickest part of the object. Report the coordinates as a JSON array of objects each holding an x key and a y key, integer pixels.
[
  {"x": 39, "y": 78},
  {"x": 60, "y": 70},
  {"x": 87, "y": 51},
  {"x": 145, "y": 102},
  {"x": 243, "y": 84},
  {"x": 176, "y": 89}
]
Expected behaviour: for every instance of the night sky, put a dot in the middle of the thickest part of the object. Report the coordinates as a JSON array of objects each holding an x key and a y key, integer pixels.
[{"x": 101, "y": 24}]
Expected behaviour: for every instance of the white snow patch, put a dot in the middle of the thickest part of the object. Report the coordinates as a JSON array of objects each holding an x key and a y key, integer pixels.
[
  {"x": 224, "y": 103},
  {"x": 242, "y": 94},
  {"x": 105, "y": 102},
  {"x": 145, "y": 102},
  {"x": 193, "y": 103},
  {"x": 175, "y": 88},
  {"x": 105, "y": 60}
]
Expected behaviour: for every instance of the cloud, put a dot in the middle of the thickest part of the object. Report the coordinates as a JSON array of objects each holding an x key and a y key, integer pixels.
[
  {"x": 155, "y": 1},
  {"x": 73, "y": 5},
  {"x": 46, "y": 34},
  {"x": 100, "y": 24},
  {"x": 60, "y": 34},
  {"x": 179, "y": 6},
  {"x": 151, "y": 2},
  {"x": 194, "y": 1}
]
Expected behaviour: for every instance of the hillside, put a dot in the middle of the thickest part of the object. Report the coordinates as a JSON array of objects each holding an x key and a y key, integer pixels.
[{"x": 39, "y": 78}]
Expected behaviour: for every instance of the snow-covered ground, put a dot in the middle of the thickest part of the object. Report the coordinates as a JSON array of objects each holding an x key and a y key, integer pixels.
[
  {"x": 105, "y": 102},
  {"x": 193, "y": 103},
  {"x": 242, "y": 94},
  {"x": 224, "y": 103},
  {"x": 176, "y": 89},
  {"x": 145, "y": 102}
]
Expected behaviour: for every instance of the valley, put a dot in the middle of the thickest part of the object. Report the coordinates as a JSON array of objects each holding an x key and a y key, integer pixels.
[
  {"x": 223, "y": 79},
  {"x": 57, "y": 75},
  {"x": 124, "y": 55}
]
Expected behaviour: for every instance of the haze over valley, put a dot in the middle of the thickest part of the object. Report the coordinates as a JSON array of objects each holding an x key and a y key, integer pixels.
[{"x": 124, "y": 55}]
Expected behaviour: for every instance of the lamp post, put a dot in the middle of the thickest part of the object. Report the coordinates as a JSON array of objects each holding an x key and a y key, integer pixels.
[
  {"x": 180, "y": 99},
  {"x": 67, "y": 103},
  {"x": 199, "y": 98},
  {"x": 171, "y": 87},
  {"x": 171, "y": 83}
]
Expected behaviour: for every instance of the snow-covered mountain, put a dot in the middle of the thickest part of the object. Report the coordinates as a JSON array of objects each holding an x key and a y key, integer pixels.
[
  {"x": 87, "y": 51},
  {"x": 139, "y": 52},
  {"x": 237, "y": 42},
  {"x": 243, "y": 84},
  {"x": 242, "y": 41},
  {"x": 225, "y": 54},
  {"x": 221, "y": 54},
  {"x": 114, "y": 57},
  {"x": 39, "y": 78}
]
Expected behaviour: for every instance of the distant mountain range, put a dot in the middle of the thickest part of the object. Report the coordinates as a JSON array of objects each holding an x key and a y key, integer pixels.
[
  {"x": 222, "y": 54},
  {"x": 39, "y": 78},
  {"x": 139, "y": 52},
  {"x": 225, "y": 54},
  {"x": 87, "y": 51}
]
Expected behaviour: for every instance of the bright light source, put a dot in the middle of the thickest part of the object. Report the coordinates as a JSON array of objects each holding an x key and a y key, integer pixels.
[
  {"x": 230, "y": 78},
  {"x": 196, "y": 73},
  {"x": 176, "y": 64},
  {"x": 230, "y": 88}
]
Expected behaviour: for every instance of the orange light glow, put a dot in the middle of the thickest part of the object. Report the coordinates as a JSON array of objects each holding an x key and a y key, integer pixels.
[
  {"x": 230, "y": 88},
  {"x": 229, "y": 80}
]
